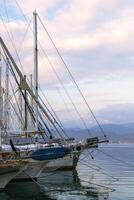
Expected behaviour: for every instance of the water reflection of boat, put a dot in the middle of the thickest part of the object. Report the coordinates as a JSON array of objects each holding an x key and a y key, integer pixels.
[
  {"x": 60, "y": 178},
  {"x": 56, "y": 185},
  {"x": 69, "y": 183},
  {"x": 28, "y": 190},
  {"x": 9, "y": 169}
]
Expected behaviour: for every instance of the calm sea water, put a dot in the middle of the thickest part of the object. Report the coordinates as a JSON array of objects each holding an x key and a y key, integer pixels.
[{"x": 101, "y": 178}]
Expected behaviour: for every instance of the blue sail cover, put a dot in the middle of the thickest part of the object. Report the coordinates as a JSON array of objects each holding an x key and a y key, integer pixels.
[{"x": 50, "y": 153}]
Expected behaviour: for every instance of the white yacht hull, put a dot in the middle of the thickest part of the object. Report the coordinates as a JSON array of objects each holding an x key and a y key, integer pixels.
[
  {"x": 7, "y": 174},
  {"x": 68, "y": 162},
  {"x": 33, "y": 170}
]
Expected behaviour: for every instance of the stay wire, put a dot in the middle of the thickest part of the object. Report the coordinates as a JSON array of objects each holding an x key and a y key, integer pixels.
[
  {"x": 11, "y": 35},
  {"x": 97, "y": 168},
  {"x": 19, "y": 109},
  {"x": 67, "y": 93},
  {"x": 11, "y": 38},
  {"x": 91, "y": 111},
  {"x": 55, "y": 72},
  {"x": 24, "y": 36},
  {"x": 117, "y": 159},
  {"x": 89, "y": 182},
  {"x": 68, "y": 72},
  {"x": 13, "y": 44},
  {"x": 54, "y": 115},
  {"x": 14, "y": 75}
]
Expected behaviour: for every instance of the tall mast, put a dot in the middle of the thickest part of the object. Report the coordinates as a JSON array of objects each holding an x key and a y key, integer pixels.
[
  {"x": 36, "y": 68},
  {"x": 31, "y": 103},
  {"x": 24, "y": 83},
  {"x": 25, "y": 105},
  {"x": 7, "y": 96},
  {"x": 21, "y": 113},
  {"x": 1, "y": 104}
]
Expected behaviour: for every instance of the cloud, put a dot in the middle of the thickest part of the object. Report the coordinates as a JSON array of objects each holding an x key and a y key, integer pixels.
[
  {"x": 96, "y": 40},
  {"x": 30, "y": 6},
  {"x": 119, "y": 113}
]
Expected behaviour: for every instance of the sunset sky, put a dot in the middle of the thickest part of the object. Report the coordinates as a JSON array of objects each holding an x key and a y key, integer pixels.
[{"x": 96, "y": 40}]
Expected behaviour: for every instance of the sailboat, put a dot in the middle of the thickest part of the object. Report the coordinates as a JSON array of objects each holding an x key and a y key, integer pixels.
[
  {"x": 14, "y": 161},
  {"x": 41, "y": 155},
  {"x": 10, "y": 165},
  {"x": 34, "y": 157}
]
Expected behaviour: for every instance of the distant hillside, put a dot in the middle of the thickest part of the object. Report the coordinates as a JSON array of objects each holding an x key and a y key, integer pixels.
[
  {"x": 115, "y": 132},
  {"x": 118, "y": 132}
]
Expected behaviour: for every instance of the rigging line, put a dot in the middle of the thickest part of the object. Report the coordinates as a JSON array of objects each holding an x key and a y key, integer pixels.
[
  {"x": 55, "y": 120},
  {"x": 11, "y": 96},
  {"x": 36, "y": 182},
  {"x": 52, "y": 128},
  {"x": 78, "y": 88},
  {"x": 9, "y": 100},
  {"x": 90, "y": 154},
  {"x": 43, "y": 51},
  {"x": 29, "y": 107},
  {"x": 16, "y": 112},
  {"x": 50, "y": 124},
  {"x": 102, "y": 186},
  {"x": 11, "y": 38},
  {"x": 14, "y": 75},
  {"x": 75, "y": 108},
  {"x": 117, "y": 159},
  {"x": 19, "y": 109},
  {"x": 81, "y": 118},
  {"x": 62, "y": 127},
  {"x": 44, "y": 124},
  {"x": 83, "y": 157},
  {"x": 28, "y": 26},
  {"x": 96, "y": 168},
  {"x": 14, "y": 92},
  {"x": 5, "y": 7},
  {"x": 59, "y": 121},
  {"x": 27, "y": 21},
  {"x": 52, "y": 115},
  {"x": 21, "y": 64},
  {"x": 24, "y": 36},
  {"x": 24, "y": 14},
  {"x": 22, "y": 120},
  {"x": 30, "y": 111},
  {"x": 56, "y": 116}
]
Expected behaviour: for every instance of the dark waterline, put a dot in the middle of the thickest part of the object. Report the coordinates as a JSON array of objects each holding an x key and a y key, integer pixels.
[{"x": 101, "y": 178}]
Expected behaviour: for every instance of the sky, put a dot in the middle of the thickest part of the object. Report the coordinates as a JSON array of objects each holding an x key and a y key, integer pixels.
[{"x": 95, "y": 38}]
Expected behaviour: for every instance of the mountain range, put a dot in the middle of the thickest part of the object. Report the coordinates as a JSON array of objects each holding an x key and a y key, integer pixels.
[{"x": 114, "y": 132}]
